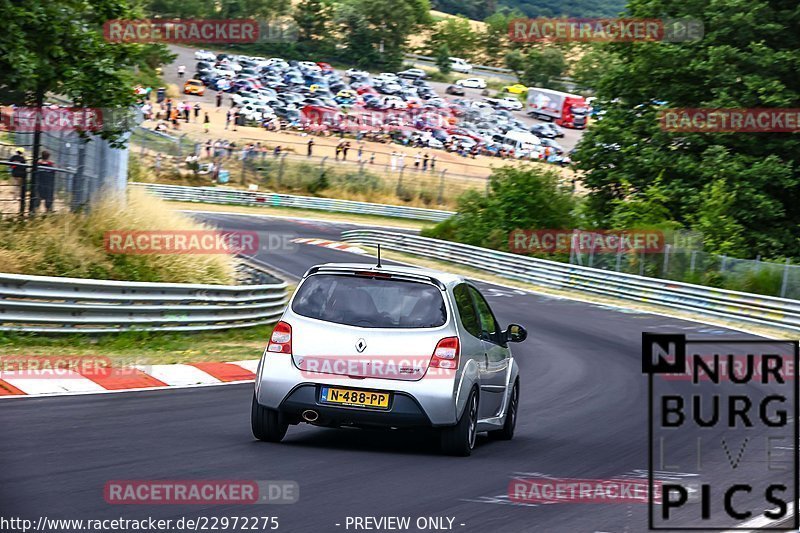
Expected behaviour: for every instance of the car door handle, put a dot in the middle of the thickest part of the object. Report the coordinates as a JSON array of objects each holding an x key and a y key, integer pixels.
[{"x": 486, "y": 358}]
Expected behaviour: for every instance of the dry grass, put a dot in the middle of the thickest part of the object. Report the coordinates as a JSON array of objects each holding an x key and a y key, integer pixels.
[{"x": 72, "y": 245}]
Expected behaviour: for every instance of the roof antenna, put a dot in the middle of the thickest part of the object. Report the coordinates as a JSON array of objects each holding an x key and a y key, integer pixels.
[{"x": 379, "y": 257}]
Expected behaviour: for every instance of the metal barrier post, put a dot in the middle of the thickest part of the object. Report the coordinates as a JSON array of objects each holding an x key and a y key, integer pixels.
[
  {"x": 785, "y": 283},
  {"x": 441, "y": 187},
  {"x": 281, "y": 167}
]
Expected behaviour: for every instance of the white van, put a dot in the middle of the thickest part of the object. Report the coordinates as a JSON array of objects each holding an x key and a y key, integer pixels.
[
  {"x": 524, "y": 144},
  {"x": 460, "y": 65}
]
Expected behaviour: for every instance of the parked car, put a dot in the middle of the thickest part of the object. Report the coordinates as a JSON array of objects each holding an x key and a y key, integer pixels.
[
  {"x": 204, "y": 55},
  {"x": 460, "y": 65},
  {"x": 413, "y": 74},
  {"x": 194, "y": 86},
  {"x": 472, "y": 83},
  {"x": 516, "y": 88},
  {"x": 455, "y": 90},
  {"x": 455, "y": 373},
  {"x": 543, "y": 131},
  {"x": 550, "y": 143},
  {"x": 510, "y": 102}
]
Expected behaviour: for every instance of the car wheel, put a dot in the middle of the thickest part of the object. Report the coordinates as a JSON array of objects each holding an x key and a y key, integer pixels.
[
  {"x": 459, "y": 440},
  {"x": 507, "y": 433},
  {"x": 267, "y": 424}
]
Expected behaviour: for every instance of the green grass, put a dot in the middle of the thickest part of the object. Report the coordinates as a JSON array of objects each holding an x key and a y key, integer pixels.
[{"x": 129, "y": 348}]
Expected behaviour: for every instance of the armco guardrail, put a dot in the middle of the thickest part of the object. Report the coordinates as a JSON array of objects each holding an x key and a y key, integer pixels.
[
  {"x": 220, "y": 195},
  {"x": 696, "y": 299},
  {"x": 73, "y": 305}
]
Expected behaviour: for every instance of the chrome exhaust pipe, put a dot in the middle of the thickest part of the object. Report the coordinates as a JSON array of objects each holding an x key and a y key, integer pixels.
[{"x": 310, "y": 416}]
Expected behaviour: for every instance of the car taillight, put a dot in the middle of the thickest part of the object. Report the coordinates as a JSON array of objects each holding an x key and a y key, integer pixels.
[
  {"x": 446, "y": 353},
  {"x": 281, "y": 340}
]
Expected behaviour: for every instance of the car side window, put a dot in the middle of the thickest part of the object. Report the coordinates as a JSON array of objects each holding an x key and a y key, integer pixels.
[
  {"x": 466, "y": 310},
  {"x": 488, "y": 323}
]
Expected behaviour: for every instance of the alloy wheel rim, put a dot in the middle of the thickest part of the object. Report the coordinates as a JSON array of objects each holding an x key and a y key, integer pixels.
[
  {"x": 473, "y": 422},
  {"x": 514, "y": 402}
]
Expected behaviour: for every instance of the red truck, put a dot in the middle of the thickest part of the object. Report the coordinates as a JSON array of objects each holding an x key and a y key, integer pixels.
[{"x": 565, "y": 109}]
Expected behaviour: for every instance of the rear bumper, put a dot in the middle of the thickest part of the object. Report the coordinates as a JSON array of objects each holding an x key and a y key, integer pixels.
[
  {"x": 430, "y": 401},
  {"x": 403, "y": 412}
]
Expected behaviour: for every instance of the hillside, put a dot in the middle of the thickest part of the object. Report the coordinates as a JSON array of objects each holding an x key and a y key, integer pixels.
[{"x": 480, "y": 9}]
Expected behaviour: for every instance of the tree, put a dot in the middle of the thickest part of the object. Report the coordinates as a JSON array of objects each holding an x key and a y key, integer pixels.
[
  {"x": 541, "y": 65},
  {"x": 443, "y": 59},
  {"x": 382, "y": 28},
  {"x": 313, "y": 18},
  {"x": 716, "y": 220},
  {"x": 748, "y": 64},
  {"x": 57, "y": 47},
  {"x": 457, "y": 34},
  {"x": 527, "y": 197},
  {"x": 495, "y": 36}
]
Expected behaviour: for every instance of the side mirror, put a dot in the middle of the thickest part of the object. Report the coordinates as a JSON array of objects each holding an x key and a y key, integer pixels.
[{"x": 516, "y": 333}]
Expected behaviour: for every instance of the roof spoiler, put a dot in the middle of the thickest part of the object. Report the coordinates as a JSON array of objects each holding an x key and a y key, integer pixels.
[{"x": 371, "y": 268}]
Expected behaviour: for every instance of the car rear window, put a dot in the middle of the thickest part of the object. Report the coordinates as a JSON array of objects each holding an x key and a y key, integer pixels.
[{"x": 370, "y": 302}]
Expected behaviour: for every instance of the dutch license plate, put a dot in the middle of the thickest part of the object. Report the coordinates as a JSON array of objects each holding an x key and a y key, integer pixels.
[{"x": 355, "y": 398}]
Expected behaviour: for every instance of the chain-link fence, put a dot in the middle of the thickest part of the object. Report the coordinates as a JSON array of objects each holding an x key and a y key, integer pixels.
[
  {"x": 680, "y": 262},
  {"x": 288, "y": 167},
  {"x": 76, "y": 171}
]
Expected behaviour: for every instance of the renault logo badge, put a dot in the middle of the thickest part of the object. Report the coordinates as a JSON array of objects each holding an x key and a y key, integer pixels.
[{"x": 361, "y": 345}]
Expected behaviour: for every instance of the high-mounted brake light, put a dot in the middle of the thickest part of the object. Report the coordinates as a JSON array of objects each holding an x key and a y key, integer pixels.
[
  {"x": 281, "y": 340},
  {"x": 381, "y": 275},
  {"x": 446, "y": 353}
]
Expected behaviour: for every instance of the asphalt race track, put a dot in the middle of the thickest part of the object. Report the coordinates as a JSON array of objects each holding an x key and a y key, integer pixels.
[{"x": 583, "y": 415}]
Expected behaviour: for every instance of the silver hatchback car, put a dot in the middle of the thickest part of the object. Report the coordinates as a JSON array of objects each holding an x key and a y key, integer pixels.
[{"x": 393, "y": 347}]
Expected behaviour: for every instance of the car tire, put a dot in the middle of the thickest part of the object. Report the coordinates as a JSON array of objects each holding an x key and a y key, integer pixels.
[
  {"x": 507, "y": 433},
  {"x": 267, "y": 424},
  {"x": 459, "y": 440}
]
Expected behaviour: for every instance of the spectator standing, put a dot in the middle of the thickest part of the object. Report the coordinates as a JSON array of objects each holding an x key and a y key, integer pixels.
[
  {"x": 338, "y": 150},
  {"x": 196, "y": 111},
  {"x": 310, "y": 148},
  {"x": 18, "y": 172},
  {"x": 228, "y": 117},
  {"x": 219, "y": 99},
  {"x": 206, "y": 123},
  {"x": 425, "y": 161},
  {"x": 417, "y": 161},
  {"x": 433, "y": 162},
  {"x": 45, "y": 183},
  {"x": 345, "y": 148},
  {"x": 181, "y": 71}
]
